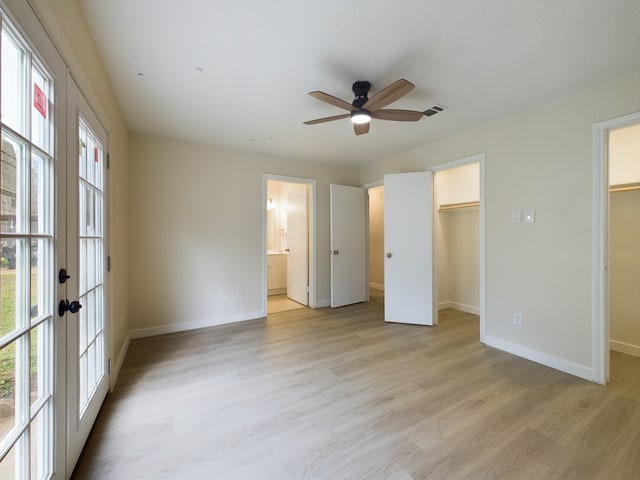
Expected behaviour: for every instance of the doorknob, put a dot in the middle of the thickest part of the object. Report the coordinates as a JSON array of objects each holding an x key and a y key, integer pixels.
[
  {"x": 389, "y": 255},
  {"x": 65, "y": 306},
  {"x": 336, "y": 252}
]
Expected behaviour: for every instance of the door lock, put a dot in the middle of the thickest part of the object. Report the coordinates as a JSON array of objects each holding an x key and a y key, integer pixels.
[
  {"x": 64, "y": 306},
  {"x": 389, "y": 255},
  {"x": 63, "y": 276},
  {"x": 336, "y": 252}
]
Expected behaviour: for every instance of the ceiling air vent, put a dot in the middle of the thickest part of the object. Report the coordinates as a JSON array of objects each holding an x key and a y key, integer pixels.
[{"x": 430, "y": 112}]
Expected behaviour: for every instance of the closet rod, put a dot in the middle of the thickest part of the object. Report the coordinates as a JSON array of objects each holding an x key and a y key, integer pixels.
[
  {"x": 624, "y": 187},
  {"x": 453, "y": 206}
]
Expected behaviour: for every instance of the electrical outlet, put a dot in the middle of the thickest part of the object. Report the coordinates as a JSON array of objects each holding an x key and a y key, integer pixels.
[{"x": 517, "y": 319}]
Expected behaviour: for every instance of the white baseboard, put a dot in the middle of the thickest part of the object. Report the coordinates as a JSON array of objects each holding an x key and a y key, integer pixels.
[
  {"x": 459, "y": 306},
  {"x": 376, "y": 286},
  {"x": 117, "y": 365},
  {"x": 566, "y": 366},
  {"x": 627, "y": 348},
  {"x": 184, "y": 326}
]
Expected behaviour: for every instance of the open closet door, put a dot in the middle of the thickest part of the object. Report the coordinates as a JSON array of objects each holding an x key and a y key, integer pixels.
[
  {"x": 348, "y": 247},
  {"x": 408, "y": 241}
]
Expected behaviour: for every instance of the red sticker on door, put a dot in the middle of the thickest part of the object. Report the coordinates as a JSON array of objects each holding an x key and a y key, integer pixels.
[
  {"x": 96, "y": 154},
  {"x": 39, "y": 100}
]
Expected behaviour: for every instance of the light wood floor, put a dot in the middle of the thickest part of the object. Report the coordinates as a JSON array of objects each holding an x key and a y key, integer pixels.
[
  {"x": 340, "y": 394},
  {"x": 281, "y": 303}
]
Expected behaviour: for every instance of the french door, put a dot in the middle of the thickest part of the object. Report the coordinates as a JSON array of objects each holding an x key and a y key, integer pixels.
[
  {"x": 29, "y": 104},
  {"x": 53, "y": 368},
  {"x": 87, "y": 374}
]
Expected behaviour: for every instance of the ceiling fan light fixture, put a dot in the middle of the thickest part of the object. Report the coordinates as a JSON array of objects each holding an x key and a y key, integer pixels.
[{"x": 360, "y": 116}]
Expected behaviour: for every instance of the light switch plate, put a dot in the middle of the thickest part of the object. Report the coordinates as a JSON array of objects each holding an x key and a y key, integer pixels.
[
  {"x": 516, "y": 216},
  {"x": 529, "y": 216}
]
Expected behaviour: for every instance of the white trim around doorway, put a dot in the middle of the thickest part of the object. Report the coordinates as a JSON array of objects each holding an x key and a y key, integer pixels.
[
  {"x": 313, "y": 293},
  {"x": 600, "y": 233}
]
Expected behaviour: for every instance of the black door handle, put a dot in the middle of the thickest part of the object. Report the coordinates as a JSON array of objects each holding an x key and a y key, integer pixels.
[{"x": 64, "y": 306}]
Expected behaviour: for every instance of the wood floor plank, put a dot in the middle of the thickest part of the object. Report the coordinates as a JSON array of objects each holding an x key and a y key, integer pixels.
[{"x": 340, "y": 394}]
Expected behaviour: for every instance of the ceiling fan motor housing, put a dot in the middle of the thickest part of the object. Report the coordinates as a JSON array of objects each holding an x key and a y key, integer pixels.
[{"x": 360, "y": 89}]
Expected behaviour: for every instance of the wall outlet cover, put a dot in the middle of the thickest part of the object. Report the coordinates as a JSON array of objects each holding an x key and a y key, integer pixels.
[{"x": 517, "y": 319}]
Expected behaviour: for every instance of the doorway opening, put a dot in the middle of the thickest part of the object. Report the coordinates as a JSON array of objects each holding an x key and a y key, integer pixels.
[
  {"x": 375, "y": 209},
  {"x": 457, "y": 239},
  {"x": 620, "y": 175},
  {"x": 624, "y": 247},
  {"x": 288, "y": 243}
]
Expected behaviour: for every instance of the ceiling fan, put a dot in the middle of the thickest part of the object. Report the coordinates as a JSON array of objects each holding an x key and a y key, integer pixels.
[{"x": 363, "y": 109}]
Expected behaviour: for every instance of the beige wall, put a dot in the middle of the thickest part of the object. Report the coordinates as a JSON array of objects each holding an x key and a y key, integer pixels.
[
  {"x": 538, "y": 159},
  {"x": 65, "y": 24},
  {"x": 376, "y": 236},
  {"x": 196, "y": 231},
  {"x": 461, "y": 252},
  {"x": 624, "y": 271},
  {"x": 624, "y": 155},
  {"x": 458, "y": 185}
]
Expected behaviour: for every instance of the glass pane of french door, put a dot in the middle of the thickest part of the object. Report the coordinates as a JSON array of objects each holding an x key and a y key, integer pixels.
[
  {"x": 87, "y": 376},
  {"x": 91, "y": 273},
  {"x": 27, "y": 286}
]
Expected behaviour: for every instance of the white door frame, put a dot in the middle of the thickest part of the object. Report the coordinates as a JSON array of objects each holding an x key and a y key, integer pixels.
[
  {"x": 477, "y": 158},
  {"x": 600, "y": 225},
  {"x": 312, "y": 235}
]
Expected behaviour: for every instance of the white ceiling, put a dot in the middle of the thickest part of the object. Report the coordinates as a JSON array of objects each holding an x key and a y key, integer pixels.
[{"x": 236, "y": 73}]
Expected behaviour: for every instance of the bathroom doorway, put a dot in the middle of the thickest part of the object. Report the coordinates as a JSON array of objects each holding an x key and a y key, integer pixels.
[{"x": 289, "y": 245}]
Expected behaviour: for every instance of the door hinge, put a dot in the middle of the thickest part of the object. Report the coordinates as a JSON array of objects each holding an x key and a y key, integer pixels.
[
  {"x": 108, "y": 161},
  {"x": 109, "y": 367},
  {"x": 109, "y": 263},
  {"x": 308, "y": 289}
]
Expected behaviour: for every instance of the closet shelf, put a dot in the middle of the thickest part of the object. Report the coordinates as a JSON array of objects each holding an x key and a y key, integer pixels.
[
  {"x": 454, "y": 206},
  {"x": 624, "y": 187}
]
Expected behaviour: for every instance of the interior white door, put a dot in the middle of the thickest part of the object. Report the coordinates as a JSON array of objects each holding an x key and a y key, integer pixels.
[
  {"x": 408, "y": 240},
  {"x": 348, "y": 245},
  {"x": 297, "y": 243},
  {"x": 87, "y": 375}
]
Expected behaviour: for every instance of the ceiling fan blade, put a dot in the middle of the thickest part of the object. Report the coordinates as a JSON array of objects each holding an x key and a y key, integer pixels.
[
  {"x": 397, "y": 115},
  {"x": 331, "y": 100},
  {"x": 389, "y": 94},
  {"x": 327, "y": 119},
  {"x": 361, "y": 128}
]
